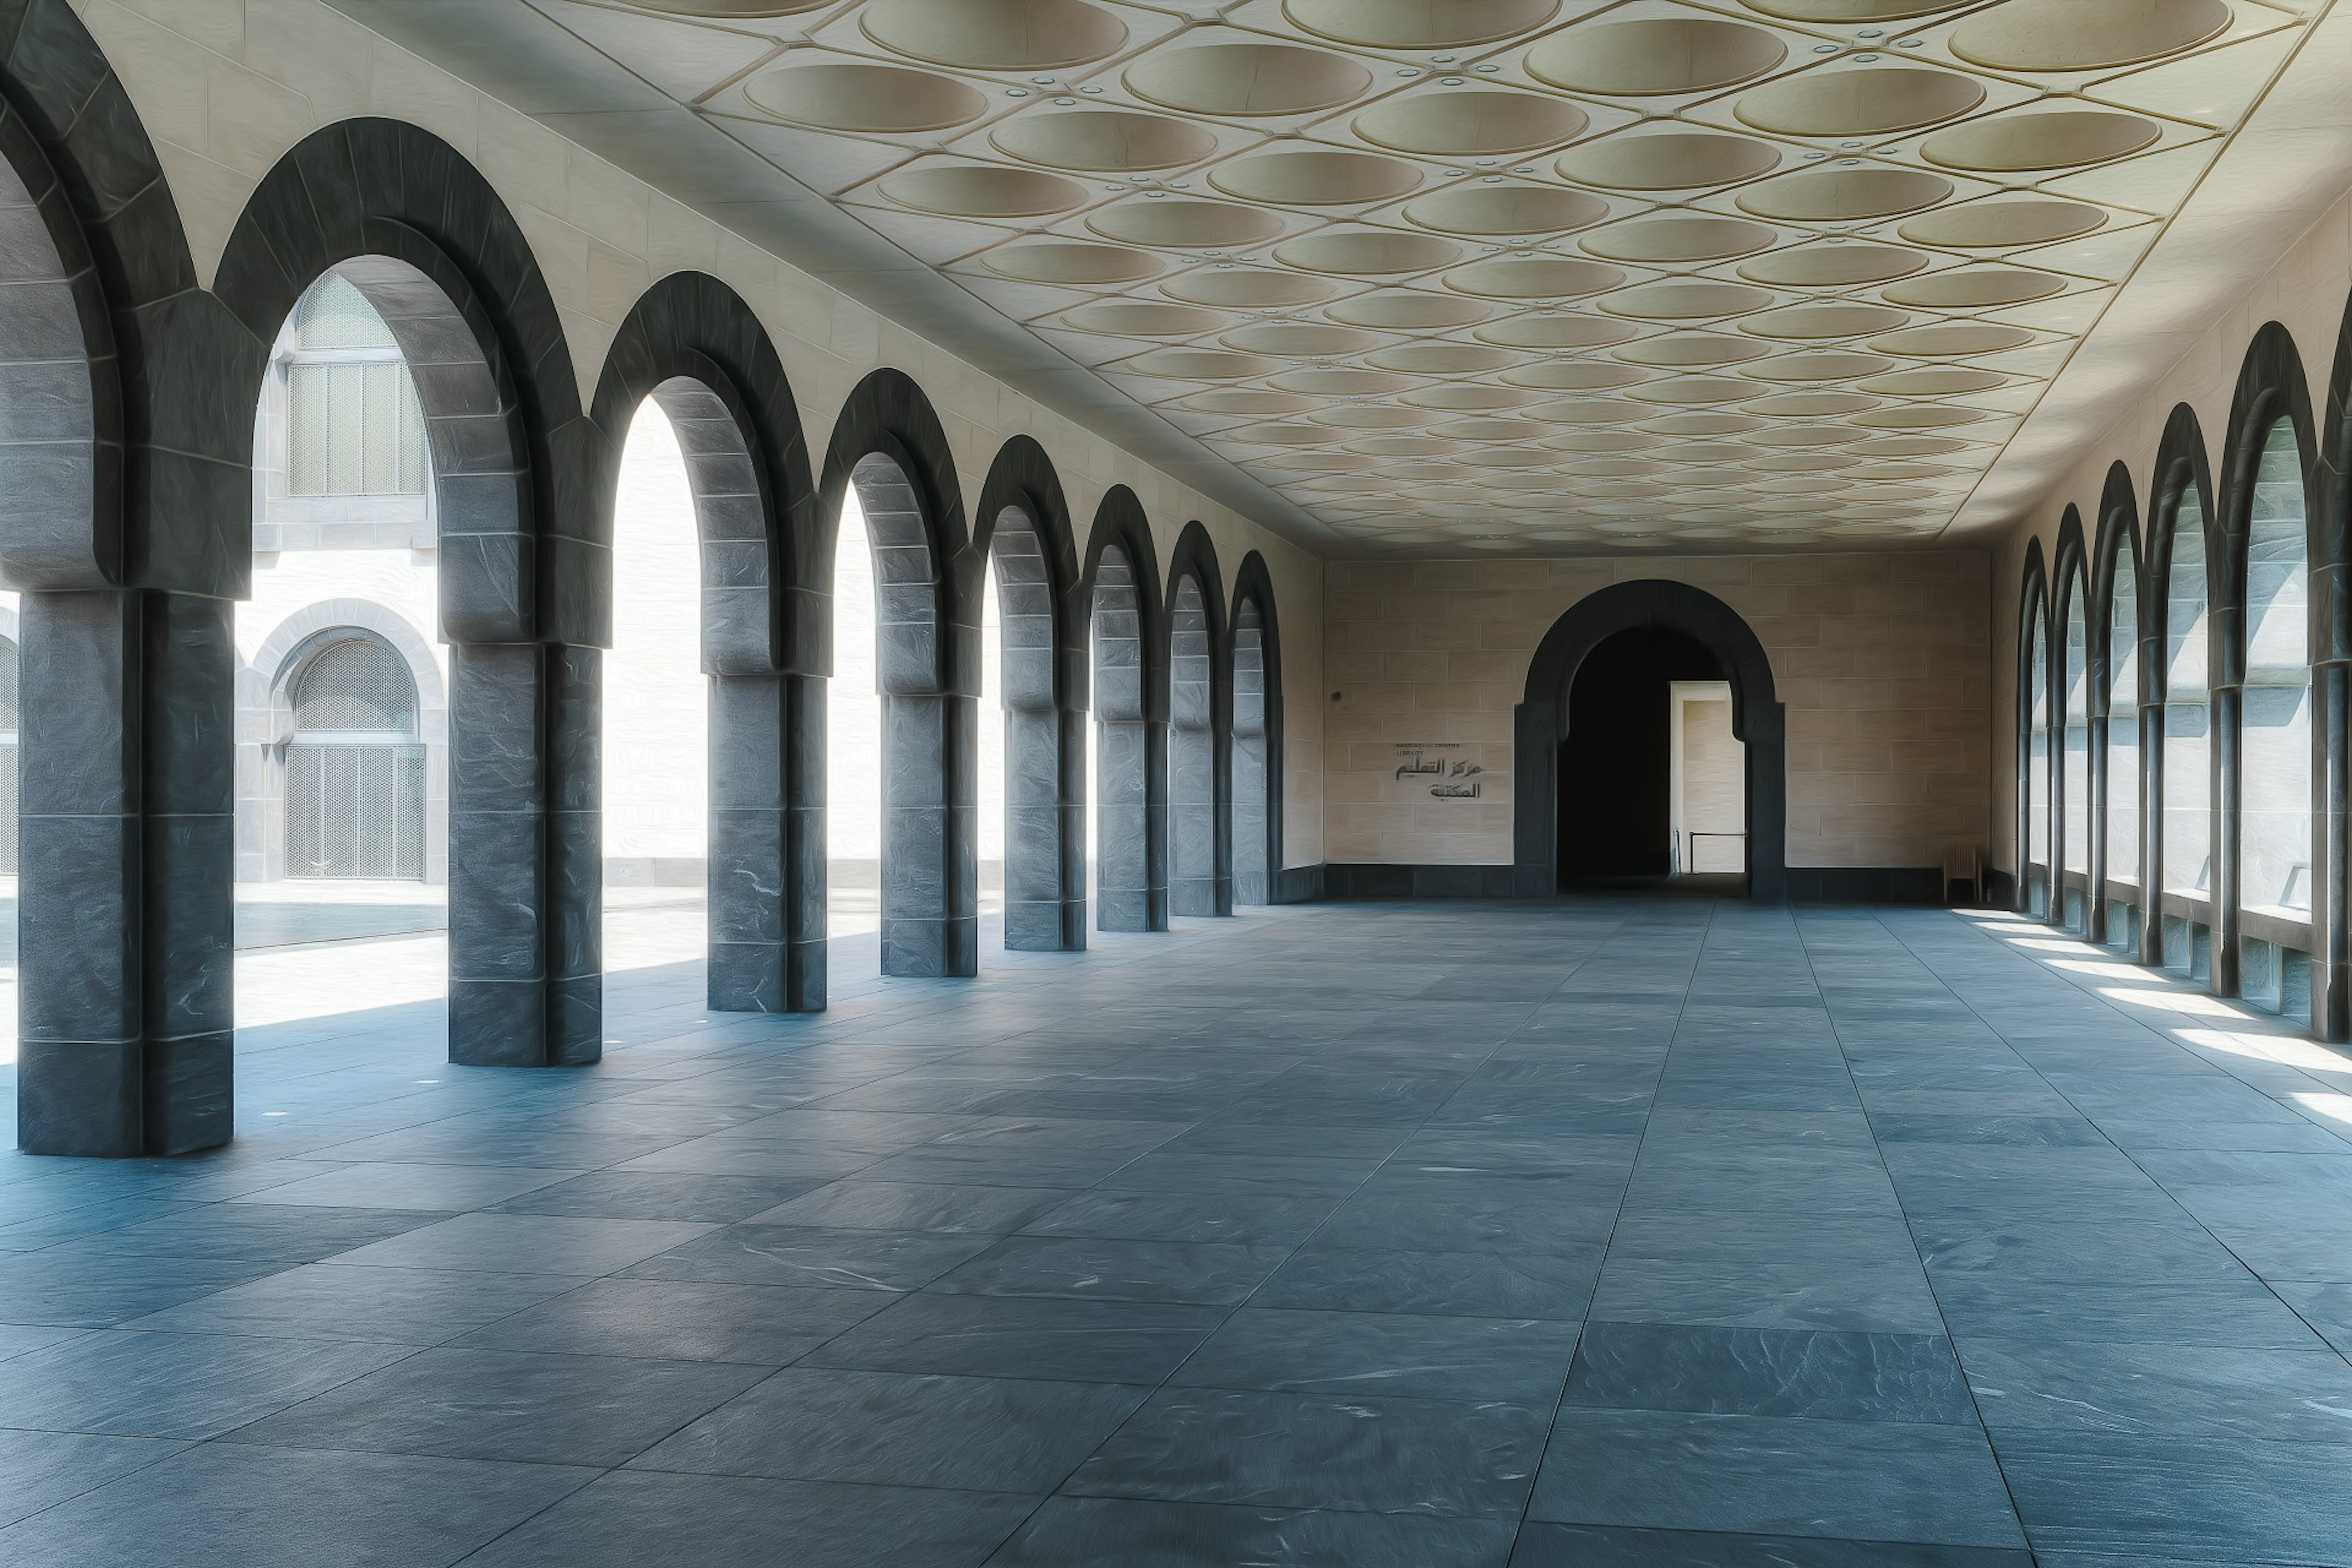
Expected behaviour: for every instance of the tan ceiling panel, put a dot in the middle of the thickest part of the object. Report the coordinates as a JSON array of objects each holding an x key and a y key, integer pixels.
[
  {"x": 1249, "y": 79},
  {"x": 1502, "y": 274},
  {"x": 992, "y": 35}
]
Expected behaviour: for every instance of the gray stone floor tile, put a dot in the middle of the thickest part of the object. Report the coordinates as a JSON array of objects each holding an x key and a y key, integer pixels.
[
  {"x": 650, "y": 1195},
  {"x": 1322, "y": 1451},
  {"x": 1075, "y": 1532},
  {"x": 2028, "y": 1386},
  {"x": 1100, "y": 1269},
  {"x": 340, "y": 1301},
  {"x": 501, "y": 1404},
  {"x": 448, "y": 1188},
  {"x": 627, "y": 1519},
  {"x": 253, "y": 1231},
  {"x": 137, "y": 1384},
  {"x": 1553, "y": 1284},
  {"x": 1602, "y": 1546},
  {"x": 979, "y": 1434},
  {"x": 1774, "y": 1475},
  {"x": 1248, "y": 1220},
  {"x": 1820, "y": 1374},
  {"x": 43, "y": 1468},
  {"x": 528, "y": 1244},
  {"x": 1523, "y": 1361},
  {"x": 904, "y": 1206},
  {"x": 223, "y": 1505},
  {"x": 97, "y": 1290},
  {"x": 676, "y": 1320},
  {"x": 1012, "y": 1336},
  {"x": 2224, "y": 1500},
  {"x": 814, "y": 1257}
]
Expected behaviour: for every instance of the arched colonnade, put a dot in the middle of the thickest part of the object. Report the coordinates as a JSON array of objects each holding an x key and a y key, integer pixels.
[{"x": 127, "y": 525}]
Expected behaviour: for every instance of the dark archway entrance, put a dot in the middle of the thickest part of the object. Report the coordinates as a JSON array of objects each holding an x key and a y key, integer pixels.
[
  {"x": 1615, "y": 810},
  {"x": 1542, "y": 722}
]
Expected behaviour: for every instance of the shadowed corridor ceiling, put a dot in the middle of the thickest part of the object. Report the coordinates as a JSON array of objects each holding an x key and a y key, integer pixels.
[{"x": 1516, "y": 275}]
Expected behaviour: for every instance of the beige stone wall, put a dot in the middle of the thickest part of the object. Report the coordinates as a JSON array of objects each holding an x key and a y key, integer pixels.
[{"x": 1883, "y": 660}]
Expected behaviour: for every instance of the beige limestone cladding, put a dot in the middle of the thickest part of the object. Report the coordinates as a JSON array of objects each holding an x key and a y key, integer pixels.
[{"x": 1881, "y": 658}]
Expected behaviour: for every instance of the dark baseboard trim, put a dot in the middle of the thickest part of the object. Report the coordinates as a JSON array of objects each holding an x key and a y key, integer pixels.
[
  {"x": 1298, "y": 885},
  {"x": 1807, "y": 884}
]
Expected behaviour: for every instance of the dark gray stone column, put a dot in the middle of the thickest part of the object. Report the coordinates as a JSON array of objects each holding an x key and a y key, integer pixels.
[
  {"x": 804, "y": 889},
  {"x": 2229, "y": 793},
  {"x": 1193, "y": 868},
  {"x": 1131, "y": 891},
  {"x": 80, "y": 943},
  {"x": 921, "y": 932},
  {"x": 498, "y": 870},
  {"x": 2331, "y": 713},
  {"x": 750, "y": 882},
  {"x": 189, "y": 919},
  {"x": 575, "y": 855},
  {"x": 2094, "y": 774},
  {"x": 1034, "y": 828},
  {"x": 1252, "y": 770},
  {"x": 2151, "y": 830}
]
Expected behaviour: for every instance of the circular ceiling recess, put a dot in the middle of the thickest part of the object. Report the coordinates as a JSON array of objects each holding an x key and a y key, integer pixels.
[
  {"x": 1574, "y": 376},
  {"x": 1679, "y": 238},
  {"x": 1299, "y": 339},
  {"x": 1469, "y": 397},
  {"x": 1372, "y": 416},
  {"x": 1832, "y": 266},
  {"x": 1687, "y": 300},
  {"x": 994, "y": 35},
  {"x": 1246, "y": 80},
  {"x": 1804, "y": 436},
  {"x": 1716, "y": 424},
  {"x": 1403, "y": 446},
  {"x": 1590, "y": 411},
  {"x": 1505, "y": 209},
  {"x": 1440, "y": 359},
  {"x": 1941, "y": 381},
  {"x": 1508, "y": 457},
  {"x": 1866, "y": 100},
  {"x": 2085, "y": 35},
  {"x": 1667, "y": 160},
  {"x": 1553, "y": 331},
  {"x": 1199, "y": 365},
  {"x": 890, "y": 100},
  {"x": 1052, "y": 262},
  {"x": 1974, "y": 287},
  {"x": 2045, "y": 139},
  {"x": 1835, "y": 11},
  {"x": 1654, "y": 57},
  {"x": 1799, "y": 463},
  {"x": 1184, "y": 225},
  {"x": 1601, "y": 441},
  {"x": 1109, "y": 139},
  {"x": 981, "y": 190},
  {"x": 1908, "y": 447},
  {"x": 1376, "y": 252},
  {"x": 1334, "y": 383},
  {"x": 1957, "y": 338},
  {"x": 1844, "y": 196},
  {"x": 1418, "y": 23},
  {"x": 731, "y": 10},
  {"x": 1283, "y": 435},
  {"x": 1402, "y": 311},
  {"x": 1471, "y": 123},
  {"x": 1316, "y": 178},
  {"x": 1533, "y": 278},
  {"x": 1693, "y": 389},
  {"x": 1999, "y": 222},
  {"x": 1810, "y": 404},
  {"x": 1238, "y": 401},
  {"x": 1310, "y": 462},
  {"x": 1824, "y": 364},
  {"x": 1251, "y": 288},
  {"x": 1687, "y": 349},
  {"x": 1482, "y": 431},
  {"x": 1920, "y": 416},
  {"x": 1141, "y": 318},
  {"x": 1824, "y": 321}
]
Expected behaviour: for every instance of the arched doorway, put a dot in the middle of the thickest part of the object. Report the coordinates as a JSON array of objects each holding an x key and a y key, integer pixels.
[
  {"x": 1631, "y": 708},
  {"x": 1702, "y": 629}
]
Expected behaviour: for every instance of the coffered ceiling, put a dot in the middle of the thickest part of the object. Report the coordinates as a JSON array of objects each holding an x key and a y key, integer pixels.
[{"x": 1518, "y": 275}]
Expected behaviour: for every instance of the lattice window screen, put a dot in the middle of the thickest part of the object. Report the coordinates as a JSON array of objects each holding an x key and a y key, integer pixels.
[
  {"x": 353, "y": 429},
  {"x": 354, "y": 807}
]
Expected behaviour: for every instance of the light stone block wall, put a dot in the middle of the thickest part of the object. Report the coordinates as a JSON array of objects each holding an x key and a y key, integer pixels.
[
  {"x": 223, "y": 88},
  {"x": 1880, "y": 658}
]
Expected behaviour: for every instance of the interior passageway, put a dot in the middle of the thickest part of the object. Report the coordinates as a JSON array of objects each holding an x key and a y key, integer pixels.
[{"x": 1590, "y": 1230}]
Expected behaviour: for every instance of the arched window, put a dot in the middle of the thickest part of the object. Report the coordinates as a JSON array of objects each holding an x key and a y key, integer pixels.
[
  {"x": 2123, "y": 715},
  {"x": 352, "y": 423},
  {"x": 2035, "y": 701},
  {"x": 2188, "y": 784},
  {"x": 354, "y": 766},
  {"x": 8, "y": 757},
  {"x": 1252, "y": 763},
  {"x": 2275, "y": 761},
  {"x": 2075, "y": 745}
]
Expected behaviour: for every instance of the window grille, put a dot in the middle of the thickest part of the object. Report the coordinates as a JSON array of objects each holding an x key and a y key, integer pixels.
[
  {"x": 353, "y": 425},
  {"x": 355, "y": 773}
]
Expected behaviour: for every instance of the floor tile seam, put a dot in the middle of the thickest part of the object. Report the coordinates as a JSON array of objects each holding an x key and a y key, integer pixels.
[
  {"x": 1649, "y": 1111},
  {"x": 1976, "y": 1405},
  {"x": 1166, "y": 1381},
  {"x": 2161, "y": 1185},
  {"x": 182, "y": 1446}
]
